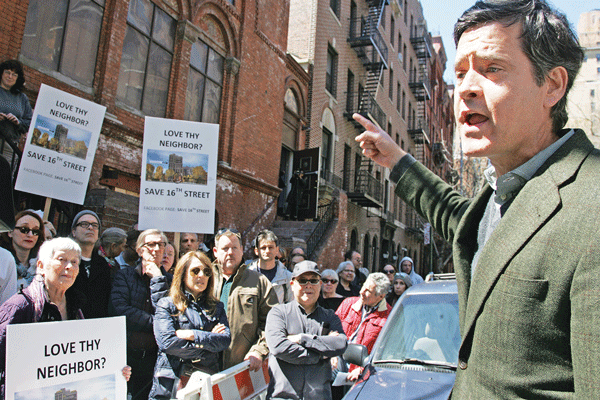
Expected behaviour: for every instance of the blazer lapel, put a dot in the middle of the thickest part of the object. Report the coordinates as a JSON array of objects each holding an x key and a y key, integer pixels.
[
  {"x": 535, "y": 204},
  {"x": 465, "y": 246}
]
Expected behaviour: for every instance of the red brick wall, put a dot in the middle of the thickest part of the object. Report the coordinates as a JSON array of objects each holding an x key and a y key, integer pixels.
[{"x": 254, "y": 35}]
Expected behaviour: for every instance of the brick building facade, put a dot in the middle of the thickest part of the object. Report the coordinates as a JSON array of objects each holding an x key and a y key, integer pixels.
[
  {"x": 220, "y": 61},
  {"x": 377, "y": 58}
]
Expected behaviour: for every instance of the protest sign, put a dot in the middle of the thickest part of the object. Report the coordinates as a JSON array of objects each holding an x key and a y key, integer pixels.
[
  {"x": 60, "y": 147},
  {"x": 55, "y": 359},
  {"x": 179, "y": 176}
]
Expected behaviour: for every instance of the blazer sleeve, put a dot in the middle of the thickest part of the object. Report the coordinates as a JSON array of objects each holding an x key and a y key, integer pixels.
[
  {"x": 433, "y": 199},
  {"x": 585, "y": 322}
]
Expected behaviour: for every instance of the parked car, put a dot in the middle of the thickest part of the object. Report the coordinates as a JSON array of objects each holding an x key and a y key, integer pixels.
[{"x": 416, "y": 353}]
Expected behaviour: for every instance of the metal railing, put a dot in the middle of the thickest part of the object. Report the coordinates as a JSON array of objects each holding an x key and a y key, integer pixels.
[
  {"x": 326, "y": 215},
  {"x": 365, "y": 104},
  {"x": 364, "y": 32}
]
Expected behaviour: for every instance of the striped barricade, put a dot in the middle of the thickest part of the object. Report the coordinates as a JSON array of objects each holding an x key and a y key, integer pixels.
[{"x": 235, "y": 383}]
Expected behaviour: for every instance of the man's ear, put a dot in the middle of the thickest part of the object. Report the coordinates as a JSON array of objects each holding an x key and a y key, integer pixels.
[
  {"x": 556, "y": 81},
  {"x": 255, "y": 251}
]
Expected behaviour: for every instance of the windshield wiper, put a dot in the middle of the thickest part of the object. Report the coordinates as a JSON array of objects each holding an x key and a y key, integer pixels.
[{"x": 416, "y": 361}]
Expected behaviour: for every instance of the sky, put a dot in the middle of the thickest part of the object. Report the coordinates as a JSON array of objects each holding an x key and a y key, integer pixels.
[{"x": 442, "y": 14}]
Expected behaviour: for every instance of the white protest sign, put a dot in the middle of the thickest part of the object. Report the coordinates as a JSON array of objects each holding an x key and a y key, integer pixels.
[
  {"x": 49, "y": 358},
  {"x": 60, "y": 147},
  {"x": 179, "y": 176}
]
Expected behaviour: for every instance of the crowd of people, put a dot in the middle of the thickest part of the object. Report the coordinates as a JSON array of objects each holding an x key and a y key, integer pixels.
[{"x": 198, "y": 310}]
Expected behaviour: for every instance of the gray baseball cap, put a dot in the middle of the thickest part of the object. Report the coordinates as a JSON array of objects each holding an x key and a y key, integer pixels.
[{"x": 305, "y": 266}]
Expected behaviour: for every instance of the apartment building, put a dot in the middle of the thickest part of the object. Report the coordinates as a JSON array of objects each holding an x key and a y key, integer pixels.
[
  {"x": 377, "y": 58},
  {"x": 584, "y": 99}
]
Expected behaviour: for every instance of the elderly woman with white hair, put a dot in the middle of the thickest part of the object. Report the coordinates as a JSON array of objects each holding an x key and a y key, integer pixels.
[
  {"x": 363, "y": 317},
  {"x": 346, "y": 273},
  {"x": 49, "y": 297},
  {"x": 329, "y": 298}
]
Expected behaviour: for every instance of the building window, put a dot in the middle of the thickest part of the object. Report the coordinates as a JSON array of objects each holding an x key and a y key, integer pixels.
[
  {"x": 398, "y": 99},
  {"x": 383, "y": 16},
  {"x": 331, "y": 73},
  {"x": 404, "y": 55},
  {"x": 335, "y": 7},
  {"x": 326, "y": 152},
  {"x": 391, "y": 84},
  {"x": 405, "y": 12},
  {"x": 598, "y": 57},
  {"x": 63, "y": 35},
  {"x": 403, "y": 105},
  {"x": 146, "y": 60},
  {"x": 392, "y": 30},
  {"x": 350, "y": 93},
  {"x": 205, "y": 84}
]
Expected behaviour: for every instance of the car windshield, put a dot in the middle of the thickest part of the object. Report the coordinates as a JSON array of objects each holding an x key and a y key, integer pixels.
[{"x": 425, "y": 328}]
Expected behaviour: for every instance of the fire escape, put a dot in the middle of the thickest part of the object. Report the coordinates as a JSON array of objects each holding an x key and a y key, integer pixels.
[
  {"x": 418, "y": 123},
  {"x": 362, "y": 187},
  {"x": 368, "y": 43}
]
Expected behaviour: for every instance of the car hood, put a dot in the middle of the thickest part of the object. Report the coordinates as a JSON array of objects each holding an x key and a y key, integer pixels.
[{"x": 404, "y": 382}]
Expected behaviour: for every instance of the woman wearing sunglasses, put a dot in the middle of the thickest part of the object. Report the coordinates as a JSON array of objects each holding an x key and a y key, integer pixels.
[
  {"x": 329, "y": 298},
  {"x": 24, "y": 242},
  {"x": 190, "y": 326}
]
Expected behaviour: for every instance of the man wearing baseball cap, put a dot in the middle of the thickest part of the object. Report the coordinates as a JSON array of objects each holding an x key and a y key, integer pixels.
[{"x": 302, "y": 337}]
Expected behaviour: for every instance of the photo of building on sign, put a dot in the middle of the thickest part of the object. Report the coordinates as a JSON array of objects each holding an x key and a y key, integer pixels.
[
  {"x": 180, "y": 167},
  {"x": 101, "y": 388},
  {"x": 60, "y": 137}
]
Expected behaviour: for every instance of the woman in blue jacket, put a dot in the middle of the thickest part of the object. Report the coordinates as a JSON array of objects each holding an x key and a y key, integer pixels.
[{"x": 190, "y": 326}]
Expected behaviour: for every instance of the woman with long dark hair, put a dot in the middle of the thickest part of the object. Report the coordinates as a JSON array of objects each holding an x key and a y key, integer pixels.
[{"x": 190, "y": 326}]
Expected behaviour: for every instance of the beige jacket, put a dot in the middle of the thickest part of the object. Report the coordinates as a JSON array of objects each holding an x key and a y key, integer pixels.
[{"x": 250, "y": 300}]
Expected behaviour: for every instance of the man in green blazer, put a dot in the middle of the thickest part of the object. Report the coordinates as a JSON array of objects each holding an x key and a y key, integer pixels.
[{"x": 527, "y": 248}]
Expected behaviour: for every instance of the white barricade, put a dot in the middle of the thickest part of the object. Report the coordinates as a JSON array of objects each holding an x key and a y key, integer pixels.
[{"x": 235, "y": 383}]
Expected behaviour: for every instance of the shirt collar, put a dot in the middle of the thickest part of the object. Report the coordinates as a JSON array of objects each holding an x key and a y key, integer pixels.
[{"x": 507, "y": 186}]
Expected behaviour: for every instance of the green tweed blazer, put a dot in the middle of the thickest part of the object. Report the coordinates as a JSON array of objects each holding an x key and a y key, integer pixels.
[{"x": 530, "y": 314}]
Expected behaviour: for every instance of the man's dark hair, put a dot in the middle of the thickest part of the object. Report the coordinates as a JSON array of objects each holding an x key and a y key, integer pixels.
[
  {"x": 265, "y": 235},
  {"x": 547, "y": 40},
  {"x": 17, "y": 67},
  {"x": 348, "y": 254}
]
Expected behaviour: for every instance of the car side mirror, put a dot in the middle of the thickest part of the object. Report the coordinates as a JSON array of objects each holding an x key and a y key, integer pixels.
[{"x": 356, "y": 354}]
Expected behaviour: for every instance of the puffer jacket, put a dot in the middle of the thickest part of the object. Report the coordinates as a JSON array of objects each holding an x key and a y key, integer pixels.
[
  {"x": 174, "y": 352},
  {"x": 250, "y": 299},
  {"x": 130, "y": 296},
  {"x": 350, "y": 313}
]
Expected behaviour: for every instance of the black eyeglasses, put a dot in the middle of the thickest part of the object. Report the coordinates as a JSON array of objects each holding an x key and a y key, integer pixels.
[
  {"x": 304, "y": 282},
  {"x": 389, "y": 271},
  {"x": 205, "y": 271},
  {"x": 25, "y": 230},
  {"x": 87, "y": 225},
  {"x": 332, "y": 281}
]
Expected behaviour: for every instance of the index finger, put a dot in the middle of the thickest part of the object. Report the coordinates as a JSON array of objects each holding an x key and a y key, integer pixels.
[{"x": 367, "y": 124}]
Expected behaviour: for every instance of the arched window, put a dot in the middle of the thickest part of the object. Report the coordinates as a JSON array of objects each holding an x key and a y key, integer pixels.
[
  {"x": 353, "y": 239},
  {"x": 205, "y": 84}
]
